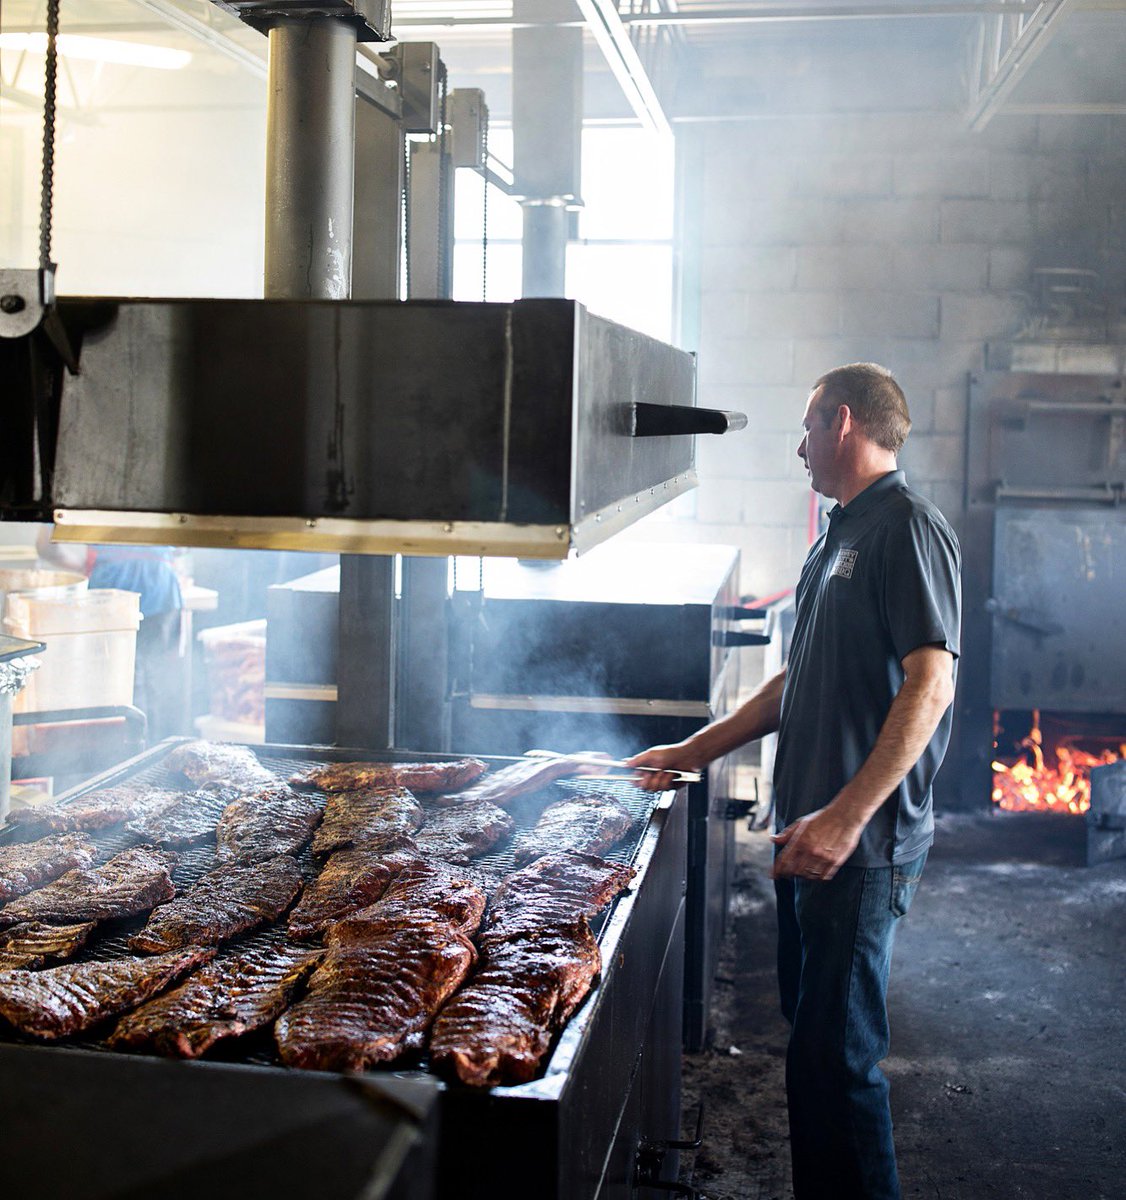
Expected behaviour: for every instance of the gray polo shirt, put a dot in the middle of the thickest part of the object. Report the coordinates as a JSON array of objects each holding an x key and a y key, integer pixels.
[{"x": 883, "y": 580}]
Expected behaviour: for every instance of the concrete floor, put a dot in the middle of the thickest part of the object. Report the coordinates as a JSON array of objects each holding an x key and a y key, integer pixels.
[{"x": 1008, "y": 1014}]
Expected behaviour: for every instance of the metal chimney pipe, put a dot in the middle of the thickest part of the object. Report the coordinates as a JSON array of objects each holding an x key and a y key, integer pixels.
[{"x": 310, "y": 150}]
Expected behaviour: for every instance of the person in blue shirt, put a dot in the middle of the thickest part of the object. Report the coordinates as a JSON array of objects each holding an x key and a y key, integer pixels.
[{"x": 862, "y": 711}]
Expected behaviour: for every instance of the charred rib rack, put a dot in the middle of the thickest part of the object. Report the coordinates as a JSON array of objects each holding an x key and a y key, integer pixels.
[
  {"x": 93, "y": 812},
  {"x": 225, "y": 902},
  {"x": 518, "y": 779},
  {"x": 28, "y": 865},
  {"x": 590, "y": 824},
  {"x": 417, "y": 777},
  {"x": 498, "y": 1027},
  {"x": 131, "y": 882},
  {"x": 227, "y": 998},
  {"x": 375, "y": 994},
  {"x": 207, "y": 763},
  {"x": 186, "y": 820},
  {"x": 350, "y": 880},
  {"x": 464, "y": 831},
  {"x": 263, "y": 824},
  {"x": 371, "y": 814},
  {"x": 31, "y": 944},
  {"x": 66, "y": 1000}
]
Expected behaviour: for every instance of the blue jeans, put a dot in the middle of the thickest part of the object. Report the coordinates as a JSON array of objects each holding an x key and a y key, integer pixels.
[{"x": 834, "y": 955}]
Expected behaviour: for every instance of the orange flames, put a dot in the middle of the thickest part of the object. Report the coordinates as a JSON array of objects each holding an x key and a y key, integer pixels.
[{"x": 1037, "y": 787}]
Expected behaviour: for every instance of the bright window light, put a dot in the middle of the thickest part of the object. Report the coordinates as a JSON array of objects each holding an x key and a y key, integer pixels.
[{"x": 73, "y": 45}]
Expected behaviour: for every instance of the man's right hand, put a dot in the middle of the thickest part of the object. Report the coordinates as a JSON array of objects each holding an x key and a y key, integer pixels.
[{"x": 678, "y": 757}]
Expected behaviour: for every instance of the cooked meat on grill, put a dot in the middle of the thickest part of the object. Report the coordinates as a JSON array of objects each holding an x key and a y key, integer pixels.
[
  {"x": 518, "y": 779},
  {"x": 130, "y": 882},
  {"x": 373, "y": 999},
  {"x": 371, "y": 814},
  {"x": 590, "y": 824},
  {"x": 418, "y": 777},
  {"x": 206, "y": 763},
  {"x": 93, "y": 811},
  {"x": 263, "y": 824},
  {"x": 227, "y": 998},
  {"x": 555, "y": 890},
  {"x": 28, "y": 865},
  {"x": 351, "y": 879},
  {"x": 65, "y": 1000},
  {"x": 31, "y": 944},
  {"x": 424, "y": 889},
  {"x": 224, "y": 902},
  {"x": 186, "y": 820},
  {"x": 498, "y": 1027},
  {"x": 463, "y": 831}
]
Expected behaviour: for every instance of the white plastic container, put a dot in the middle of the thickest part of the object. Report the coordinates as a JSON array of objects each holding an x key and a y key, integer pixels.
[{"x": 91, "y": 640}]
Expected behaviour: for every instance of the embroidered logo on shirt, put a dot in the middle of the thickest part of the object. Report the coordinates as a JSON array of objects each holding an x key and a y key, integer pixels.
[{"x": 846, "y": 561}]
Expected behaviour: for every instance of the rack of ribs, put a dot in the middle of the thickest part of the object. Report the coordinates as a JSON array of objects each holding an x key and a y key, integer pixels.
[
  {"x": 207, "y": 763},
  {"x": 227, "y": 998},
  {"x": 28, "y": 865},
  {"x": 464, "y": 831},
  {"x": 591, "y": 823},
  {"x": 131, "y": 882},
  {"x": 187, "y": 819},
  {"x": 224, "y": 902},
  {"x": 32, "y": 943},
  {"x": 349, "y": 880},
  {"x": 66, "y": 1000},
  {"x": 417, "y": 777},
  {"x": 374, "y": 995},
  {"x": 518, "y": 779},
  {"x": 555, "y": 890},
  {"x": 499, "y": 1026},
  {"x": 93, "y": 811},
  {"x": 263, "y": 824},
  {"x": 371, "y": 814}
]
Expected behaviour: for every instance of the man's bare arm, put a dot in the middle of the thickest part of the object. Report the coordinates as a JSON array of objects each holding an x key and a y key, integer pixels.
[
  {"x": 753, "y": 719},
  {"x": 816, "y": 846}
]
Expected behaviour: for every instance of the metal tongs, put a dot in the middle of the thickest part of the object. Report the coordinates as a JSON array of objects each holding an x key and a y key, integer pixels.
[{"x": 596, "y": 760}]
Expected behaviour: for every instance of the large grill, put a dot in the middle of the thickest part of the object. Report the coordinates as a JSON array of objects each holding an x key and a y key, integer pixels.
[{"x": 568, "y": 1134}]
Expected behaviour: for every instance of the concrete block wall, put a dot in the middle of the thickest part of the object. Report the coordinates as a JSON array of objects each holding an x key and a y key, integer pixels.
[{"x": 903, "y": 239}]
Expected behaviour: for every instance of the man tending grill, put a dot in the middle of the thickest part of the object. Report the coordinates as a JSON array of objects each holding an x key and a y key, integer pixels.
[{"x": 862, "y": 710}]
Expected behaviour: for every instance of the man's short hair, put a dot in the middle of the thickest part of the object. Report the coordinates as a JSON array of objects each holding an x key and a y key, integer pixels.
[{"x": 877, "y": 402}]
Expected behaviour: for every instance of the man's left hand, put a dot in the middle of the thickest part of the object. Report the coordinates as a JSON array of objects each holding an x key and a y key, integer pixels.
[{"x": 815, "y": 846}]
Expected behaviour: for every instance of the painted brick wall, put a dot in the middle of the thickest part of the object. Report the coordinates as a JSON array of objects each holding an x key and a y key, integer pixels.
[{"x": 901, "y": 239}]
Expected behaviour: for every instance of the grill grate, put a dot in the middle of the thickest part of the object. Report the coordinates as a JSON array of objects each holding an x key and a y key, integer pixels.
[{"x": 110, "y": 939}]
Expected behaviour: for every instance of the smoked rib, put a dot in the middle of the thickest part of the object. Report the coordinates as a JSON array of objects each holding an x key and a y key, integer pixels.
[
  {"x": 131, "y": 882},
  {"x": 208, "y": 763},
  {"x": 32, "y": 943},
  {"x": 416, "y": 777},
  {"x": 28, "y": 865},
  {"x": 265, "y": 823},
  {"x": 66, "y": 1000},
  {"x": 93, "y": 811},
  {"x": 464, "y": 831},
  {"x": 371, "y": 814},
  {"x": 350, "y": 880},
  {"x": 226, "y": 901},
  {"x": 590, "y": 823},
  {"x": 229, "y": 997},
  {"x": 188, "y": 819}
]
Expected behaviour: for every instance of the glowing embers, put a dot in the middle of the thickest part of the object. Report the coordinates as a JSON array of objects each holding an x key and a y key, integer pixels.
[{"x": 1032, "y": 784}]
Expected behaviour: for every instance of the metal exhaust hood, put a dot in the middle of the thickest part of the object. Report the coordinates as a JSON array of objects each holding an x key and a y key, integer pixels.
[{"x": 526, "y": 429}]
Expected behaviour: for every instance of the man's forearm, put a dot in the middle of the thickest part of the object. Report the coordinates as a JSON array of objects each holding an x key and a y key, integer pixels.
[{"x": 753, "y": 719}]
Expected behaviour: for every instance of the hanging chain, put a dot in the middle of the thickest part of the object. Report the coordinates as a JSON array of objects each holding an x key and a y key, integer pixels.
[
  {"x": 485, "y": 217},
  {"x": 48, "y": 180},
  {"x": 406, "y": 213},
  {"x": 444, "y": 273}
]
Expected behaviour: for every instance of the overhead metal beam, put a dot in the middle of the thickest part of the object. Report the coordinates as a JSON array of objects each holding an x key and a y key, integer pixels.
[
  {"x": 625, "y": 64},
  {"x": 211, "y": 37},
  {"x": 1035, "y": 35}
]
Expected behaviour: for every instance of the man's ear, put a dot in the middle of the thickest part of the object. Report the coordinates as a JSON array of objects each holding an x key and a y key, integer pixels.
[{"x": 845, "y": 423}]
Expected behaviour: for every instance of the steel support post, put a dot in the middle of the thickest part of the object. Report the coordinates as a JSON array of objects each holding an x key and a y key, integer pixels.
[
  {"x": 310, "y": 139},
  {"x": 547, "y": 122}
]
